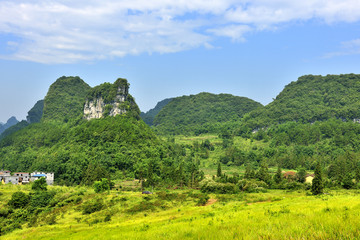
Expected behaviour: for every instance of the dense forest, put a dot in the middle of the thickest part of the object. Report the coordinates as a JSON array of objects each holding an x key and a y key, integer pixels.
[
  {"x": 65, "y": 99},
  {"x": 149, "y": 116},
  {"x": 201, "y": 113},
  {"x": 82, "y": 151},
  {"x": 311, "y": 98}
]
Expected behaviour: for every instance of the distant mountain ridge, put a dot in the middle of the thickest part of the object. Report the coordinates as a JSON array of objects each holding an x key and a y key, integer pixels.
[
  {"x": 312, "y": 98},
  {"x": 201, "y": 113},
  {"x": 10, "y": 122},
  {"x": 149, "y": 116}
]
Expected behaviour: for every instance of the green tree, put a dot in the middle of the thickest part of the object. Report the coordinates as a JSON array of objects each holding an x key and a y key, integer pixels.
[
  {"x": 263, "y": 173},
  {"x": 249, "y": 172},
  {"x": 317, "y": 183},
  {"x": 102, "y": 186},
  {"x": 278, "y": 177},
  {"x": 19, "y": 200},
  {"x": 39, "y": 185},
  {"x": 219, "y": 172},
  {"x": 301, "y": 175}
]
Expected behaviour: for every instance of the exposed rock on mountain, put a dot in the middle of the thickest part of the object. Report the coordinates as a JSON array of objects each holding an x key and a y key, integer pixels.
[{"x": 110, "y": 100}]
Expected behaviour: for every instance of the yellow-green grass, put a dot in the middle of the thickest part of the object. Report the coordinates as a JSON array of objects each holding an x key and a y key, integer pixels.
[
  {"x": 209, "y": 165},
  {"x": 272, "y": 215}
]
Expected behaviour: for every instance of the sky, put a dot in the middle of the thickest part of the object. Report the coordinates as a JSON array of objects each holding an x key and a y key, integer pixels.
[{"x": 169, "y": 48}]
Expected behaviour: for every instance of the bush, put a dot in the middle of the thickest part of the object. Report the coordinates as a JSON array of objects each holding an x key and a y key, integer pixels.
[
  {"x": 19, "y": 200},
  {"x": 216, "y": 187},
  {"x": 39, "y": 185},
  {"x": 293, "y": 185},
  {"x": 102, "y": 186},
  {"x": 41, "y": 199},
  {"x": 202, "y": 200},
  {"x": 252, "y": 185},
  {"x": 93, "y": 206}
]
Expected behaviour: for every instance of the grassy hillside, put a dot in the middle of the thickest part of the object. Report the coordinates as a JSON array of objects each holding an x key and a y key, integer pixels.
[
  {"x": 312, "y": 98},
  {"x": 201, "y": 113},
  {"x": 65, "y": 99},
  {"x": 78, "y": 213}
]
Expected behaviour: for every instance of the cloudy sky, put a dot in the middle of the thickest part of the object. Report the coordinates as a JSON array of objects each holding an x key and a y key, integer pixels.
[{"x": 168, "y": 48}]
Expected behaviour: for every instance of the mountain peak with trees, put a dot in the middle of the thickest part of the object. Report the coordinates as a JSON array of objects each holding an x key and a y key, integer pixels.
[
  {"x": 312, "y": 98},
  {"x": 65, "y": 99},
  {"x": 149, "y": 116},
  {"x": 201, "y": 113}
]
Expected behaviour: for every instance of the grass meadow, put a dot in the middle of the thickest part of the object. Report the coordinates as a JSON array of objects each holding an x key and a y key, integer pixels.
[{"x": 175, "y": 214}]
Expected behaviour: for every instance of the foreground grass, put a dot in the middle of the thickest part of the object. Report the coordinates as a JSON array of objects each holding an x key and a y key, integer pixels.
[{"x": 272, "y": 215}]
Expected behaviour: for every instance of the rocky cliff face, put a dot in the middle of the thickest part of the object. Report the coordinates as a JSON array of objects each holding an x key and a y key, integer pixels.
[{"x": 109, "y": 100}]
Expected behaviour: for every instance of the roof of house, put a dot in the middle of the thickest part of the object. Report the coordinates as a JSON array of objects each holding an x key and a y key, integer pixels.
[
  {"x": 39, "y": 175},
  {"x": 289, "y": 173}
]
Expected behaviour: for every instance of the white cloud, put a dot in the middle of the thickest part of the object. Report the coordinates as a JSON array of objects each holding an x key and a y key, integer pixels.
[
  {"x": 235, "y": 32},
  {"x": 64, "y": 31},
  {"x": 347, "y": 48}
]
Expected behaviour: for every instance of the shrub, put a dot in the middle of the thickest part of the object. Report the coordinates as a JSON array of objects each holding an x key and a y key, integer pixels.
[
  {"x": 41, "y": 199},
  {"x": 102, "y": 186},
  {"x": 216, "y": 187},
  {"x": 39, "y": 185},
  {"x": 93, "y": 206},
  {"x": 19, "y": 200},
  {"x": 252, "y": 185},
  {"x": 202, "y": 200},
  {"x": 293, "y": 185}
]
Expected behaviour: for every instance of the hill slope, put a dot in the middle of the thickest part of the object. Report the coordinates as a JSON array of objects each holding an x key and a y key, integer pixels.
[
  {"x": 203, "y": 112},
  {"x": 149, "y": 116},
  {"x": 36, "y": 112},
  {"x": 312, "y": 98},
  {"x": 117, "y": 144},
  {"x": 10, "y": 122},
  {"x": 65, "y": 99}
]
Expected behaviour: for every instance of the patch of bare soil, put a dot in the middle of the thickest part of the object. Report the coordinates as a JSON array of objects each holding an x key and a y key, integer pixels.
[{"x": 210, "y": 202}]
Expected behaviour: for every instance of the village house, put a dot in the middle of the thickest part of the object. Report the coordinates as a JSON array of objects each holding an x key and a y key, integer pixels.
[
  {"x": 24, "y": 177},
  {"x": 49, "y": 177}
]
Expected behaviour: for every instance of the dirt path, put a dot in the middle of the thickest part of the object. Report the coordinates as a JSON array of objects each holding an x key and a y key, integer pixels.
[{"x": 211, "y": 202}]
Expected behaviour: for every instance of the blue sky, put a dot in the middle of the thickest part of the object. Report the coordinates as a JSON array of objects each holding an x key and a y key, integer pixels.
[{"x": 168, "y": 48}]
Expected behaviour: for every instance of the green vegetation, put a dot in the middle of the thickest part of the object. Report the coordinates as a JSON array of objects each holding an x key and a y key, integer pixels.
[
  {"x": 10, "y": 122},
  {"x": 65, "y": 99},
  {"x": 201, "y": 113},
  {"x": 309, "y": 99},
  {"x": 109, "y": 91},
  {"x": 36, "y": 112},
  {"x": 149, "y": 116},
  {"x": 78, "y": 213},
  {"x": 15, "y": 128},
  {"x": 240, "y": 170}
]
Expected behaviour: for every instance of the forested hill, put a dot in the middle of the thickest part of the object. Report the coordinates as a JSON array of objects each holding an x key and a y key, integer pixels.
[
  {"x": 65, "y": 99},
  {"x": 81, "y": 150},
  {"x": 149, "y": 116},
  {"x": 10, "y": 122},
  {"x": 312, "y": 98},
  {"x": 34, "y": 116},
  {"x": 201, "y": 113}
]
